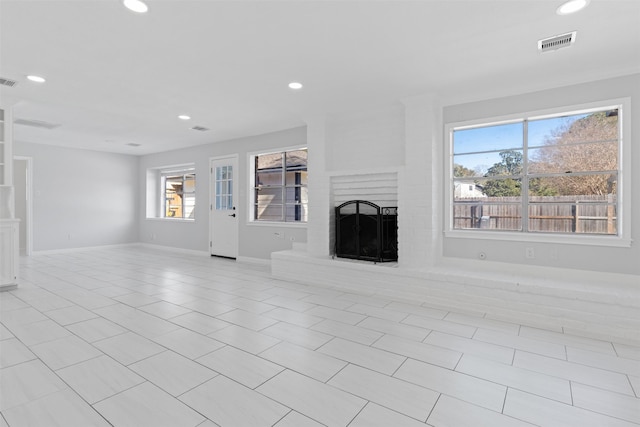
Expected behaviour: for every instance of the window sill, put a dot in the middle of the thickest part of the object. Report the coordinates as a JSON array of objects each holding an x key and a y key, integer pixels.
[
  {"x": 583, "y": 240},
  {"x": 171, "y": 219}
]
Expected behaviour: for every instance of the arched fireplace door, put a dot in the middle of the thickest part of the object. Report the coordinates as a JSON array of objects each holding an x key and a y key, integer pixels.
[{"x": 366, "y": 231}]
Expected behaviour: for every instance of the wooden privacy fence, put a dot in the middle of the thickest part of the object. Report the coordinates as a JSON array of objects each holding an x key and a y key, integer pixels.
[{"x": 551, "y": 214}]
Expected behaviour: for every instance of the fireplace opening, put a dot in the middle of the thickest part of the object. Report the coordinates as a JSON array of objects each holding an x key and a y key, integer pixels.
[{"x": 366, "y": 231}]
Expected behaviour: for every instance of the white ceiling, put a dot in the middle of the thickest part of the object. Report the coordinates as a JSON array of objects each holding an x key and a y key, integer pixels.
[{"x": 115, "y": 77}]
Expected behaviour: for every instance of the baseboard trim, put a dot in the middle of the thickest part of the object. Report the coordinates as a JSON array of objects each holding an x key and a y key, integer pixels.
[
  {"x": 251, "y": 260},
  {"x": 174, "y": 249},
  {"x": 82, "y": 248}
]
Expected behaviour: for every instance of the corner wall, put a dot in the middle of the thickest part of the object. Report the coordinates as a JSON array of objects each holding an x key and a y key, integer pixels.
[{"x": 81, "y": 198}]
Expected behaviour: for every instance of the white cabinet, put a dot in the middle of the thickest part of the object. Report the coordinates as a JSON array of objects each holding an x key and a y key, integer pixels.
[
  {"x": 8, "y": 253},
  {"x": 6, "y": 145},
  {"x": 3, "y": 148},
  {"x": 9, "y": 245}
]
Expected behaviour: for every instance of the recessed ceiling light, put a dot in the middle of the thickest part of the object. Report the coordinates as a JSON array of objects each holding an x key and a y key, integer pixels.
[
  {"x": 295, "y": 85},
  {"x": 36, "y": 79},
  {"x": 136, "y": 5},
  {"x": 184, "y": 117},
  {"x": 572, "y": 6}
]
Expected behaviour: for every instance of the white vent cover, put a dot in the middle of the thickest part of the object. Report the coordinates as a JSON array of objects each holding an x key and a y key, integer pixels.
[
  {"x": 36, "y": 123},
  {"x": 7, "y": 82},
  {"x": 557, "y": 42},
  {"x": 200, "y": 128}
]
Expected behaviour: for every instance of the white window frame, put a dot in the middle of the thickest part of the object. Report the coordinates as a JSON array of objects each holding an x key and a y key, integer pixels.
[
  {"x": 622, "y": 239},
  {"x": 251, "y": 220},
  {"x": 156, "y": 190}
]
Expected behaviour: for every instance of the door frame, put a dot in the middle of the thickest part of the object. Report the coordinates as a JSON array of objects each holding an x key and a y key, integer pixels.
[
  {"x": 236, "y": 197},
  {"x": 28, "y": 223}
]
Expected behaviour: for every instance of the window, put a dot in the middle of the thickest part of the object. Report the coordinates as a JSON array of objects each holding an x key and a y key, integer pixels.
[
  {"x": 280, "y": 186},
  {"x": 553, "y": 174},
  {"x": 178, "y": 193}
]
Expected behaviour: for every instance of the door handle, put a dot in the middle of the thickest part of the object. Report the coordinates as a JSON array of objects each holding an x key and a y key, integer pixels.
[{"x": 233, "y": 215}]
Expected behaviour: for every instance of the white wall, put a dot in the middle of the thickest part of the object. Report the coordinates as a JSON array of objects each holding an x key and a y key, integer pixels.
[
  {"x": 99, "y": 198},
  {"x": 573, "y": 256},
  {"x": 81, "y": 198},
  {"x": 366, "y": 140},
  {"x": 255, "y": 241},
  {"x": 410, "y": 139},
  {"x": 20, "y": 195}
]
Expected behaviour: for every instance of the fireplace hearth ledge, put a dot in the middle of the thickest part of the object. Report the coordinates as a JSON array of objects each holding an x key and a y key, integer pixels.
[{"x": 582, "y": 303}]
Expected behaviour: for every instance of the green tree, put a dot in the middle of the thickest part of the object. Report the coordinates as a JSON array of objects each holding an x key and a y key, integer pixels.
[
  {"x": 509, "y": 166},
  {"x": 460, "y": 171}
]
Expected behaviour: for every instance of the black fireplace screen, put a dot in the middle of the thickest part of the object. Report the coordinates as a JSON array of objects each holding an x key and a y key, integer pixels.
[{"x": 366, "y": 231}]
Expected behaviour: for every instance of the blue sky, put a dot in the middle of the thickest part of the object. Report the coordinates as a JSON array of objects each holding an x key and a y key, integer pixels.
[{"x": 500, "y": 138}]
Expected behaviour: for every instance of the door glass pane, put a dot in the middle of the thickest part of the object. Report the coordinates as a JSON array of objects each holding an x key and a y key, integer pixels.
[{"x": 224, "y": 187}]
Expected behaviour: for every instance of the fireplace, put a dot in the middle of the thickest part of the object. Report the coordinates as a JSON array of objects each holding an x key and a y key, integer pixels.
[{"x": 366, "y": 231}]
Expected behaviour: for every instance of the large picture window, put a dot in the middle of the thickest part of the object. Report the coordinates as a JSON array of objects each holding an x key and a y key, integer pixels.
[
  {"x": 554, "y": 174},
  {"x": 280, "y": 186},
  {"x": 178, "y": 193}
]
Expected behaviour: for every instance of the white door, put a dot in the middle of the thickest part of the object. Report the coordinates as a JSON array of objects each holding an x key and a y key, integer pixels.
[{"x": 224, "y": 199}]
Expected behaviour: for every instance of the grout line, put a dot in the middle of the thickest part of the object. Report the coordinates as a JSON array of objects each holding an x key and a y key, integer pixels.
[
  {"x": 433, "y": 407},
  {"x": 635, "y": 392},
  {"x": 504, "y": 402},
  {"x": 571, "y": 392}
]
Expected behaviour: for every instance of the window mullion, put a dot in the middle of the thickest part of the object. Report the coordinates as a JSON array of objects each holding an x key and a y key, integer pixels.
[
  {"x": 524, "y": 186},
  {"x": 283, "y": 183}
]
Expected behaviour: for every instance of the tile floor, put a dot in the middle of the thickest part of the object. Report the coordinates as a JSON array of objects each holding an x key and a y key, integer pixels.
[{"x": 140, "y": 337}]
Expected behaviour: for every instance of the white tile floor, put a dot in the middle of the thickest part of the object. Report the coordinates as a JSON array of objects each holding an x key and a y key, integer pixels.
[{"x": 140, "y": 337}]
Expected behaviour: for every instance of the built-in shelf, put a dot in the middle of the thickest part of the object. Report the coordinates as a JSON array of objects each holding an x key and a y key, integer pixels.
[{"x": 9, "y": 226}]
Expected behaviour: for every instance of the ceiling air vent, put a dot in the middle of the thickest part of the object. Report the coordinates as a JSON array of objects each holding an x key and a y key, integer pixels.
[
  {"x": 557, "y": 42},
  {"x": 36, "y": 123},
  {"x": 200, "y": 128},
  {"x": 7, "y": 82}
]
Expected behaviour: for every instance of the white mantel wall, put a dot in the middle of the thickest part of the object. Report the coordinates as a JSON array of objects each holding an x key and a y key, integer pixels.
[
  {"x": 359, "y": 143},
  {"x": 419, "y": 207},
  {"x": 408, "y": 138},
  {"x": 318, "y": 227}
]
